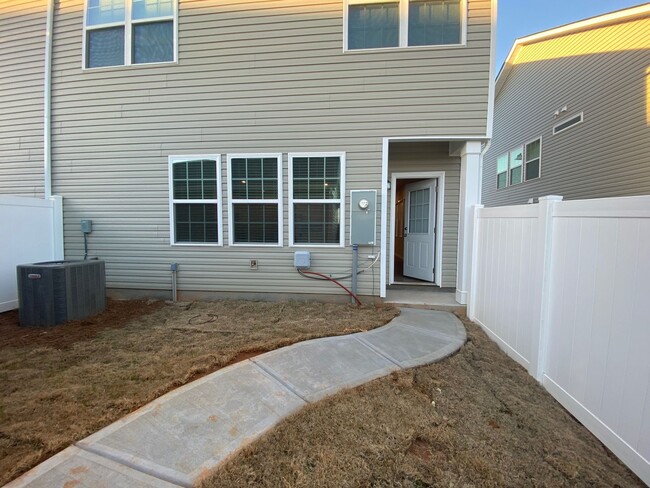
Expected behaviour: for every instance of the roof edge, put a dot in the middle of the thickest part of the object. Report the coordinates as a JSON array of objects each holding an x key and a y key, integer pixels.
[{"x": 585, "y": 24}]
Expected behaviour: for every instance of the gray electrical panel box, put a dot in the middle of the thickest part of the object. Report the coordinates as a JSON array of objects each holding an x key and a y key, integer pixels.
[
  {"x": 363, "y": 217},
  {"x": 302, "y": 259},
  {"x": 86, "y": 226}
]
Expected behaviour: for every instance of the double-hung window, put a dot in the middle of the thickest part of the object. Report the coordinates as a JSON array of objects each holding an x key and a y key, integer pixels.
[
  {"x": 522, "y": 163},
  {"x": 255, "y": 195},
  {"x": 127, "y": 32},
  {"x": 533, "y": 159},
  {"x": 516, "y": 165},
  {"x": 316, "y": 199},
  {"x": 502, "y": 171},
  {"x": 372, "y": 24},
  {"x": 195, "y": 200}
]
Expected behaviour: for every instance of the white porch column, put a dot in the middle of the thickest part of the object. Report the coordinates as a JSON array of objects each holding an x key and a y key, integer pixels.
[{"x": 470, "y": 194}]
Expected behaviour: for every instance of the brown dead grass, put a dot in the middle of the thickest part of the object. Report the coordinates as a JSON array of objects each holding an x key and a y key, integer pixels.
[
  {"x": 60, "y": 384},
  {"x": 475, "y": 419}
]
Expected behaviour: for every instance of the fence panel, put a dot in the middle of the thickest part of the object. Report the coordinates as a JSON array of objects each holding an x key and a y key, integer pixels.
[
  {"x": 506, "y": 296},
  {"x": 598, "y": 357},
  {"x": 32, "y": 232},
  {"x": 564, "y": 289}
]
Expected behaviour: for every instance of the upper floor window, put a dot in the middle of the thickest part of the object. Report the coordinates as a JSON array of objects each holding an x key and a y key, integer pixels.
[
  {"x": 373, "y": 24},
  {"x": 522, "y": 163},
  {"x": 126, "y": 32}
]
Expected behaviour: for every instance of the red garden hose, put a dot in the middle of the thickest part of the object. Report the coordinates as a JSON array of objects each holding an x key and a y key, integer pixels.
[{"x": 333, "y": 281}]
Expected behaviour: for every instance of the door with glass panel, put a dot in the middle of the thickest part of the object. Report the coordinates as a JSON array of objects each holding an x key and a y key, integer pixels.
[{"x": 420, "y": 230}]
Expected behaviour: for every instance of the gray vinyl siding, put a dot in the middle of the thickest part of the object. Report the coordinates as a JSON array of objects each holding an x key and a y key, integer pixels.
[
  {"x": 434, "y": 156},
  {"x": 22, "y": 43},
  {"x": 608, "y": 154},
  {"x": 252, "y": 76}
]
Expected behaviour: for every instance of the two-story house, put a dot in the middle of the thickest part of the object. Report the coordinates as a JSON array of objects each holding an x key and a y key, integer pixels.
[
  {"x": 225, "y": 136},
  {"x": 572, "y": 113}
]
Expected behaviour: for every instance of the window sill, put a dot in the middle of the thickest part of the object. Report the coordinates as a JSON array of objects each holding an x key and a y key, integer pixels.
[
  {"x": 331, "y": 246},
  {"x": 194, "y": 244},
  {"x": 253, "y": 244},
  {"x": 405, "y": 48},
  {"x": 131, "y": 66}
]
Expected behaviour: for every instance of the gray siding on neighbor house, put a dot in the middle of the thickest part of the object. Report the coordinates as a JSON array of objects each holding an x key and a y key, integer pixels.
[
  {"x": 609, "y": 153},
  {"x": 434, "y": 156},
  {"x": 22, "y": 54},
  {"x": 252, "y": 76}
]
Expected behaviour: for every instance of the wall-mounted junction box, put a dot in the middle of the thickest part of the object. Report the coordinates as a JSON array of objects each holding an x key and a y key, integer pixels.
[
  {"x": 86, "y": 226},
  {"x": 363, "y": 217},
  {"x": 302, "y": 259}
]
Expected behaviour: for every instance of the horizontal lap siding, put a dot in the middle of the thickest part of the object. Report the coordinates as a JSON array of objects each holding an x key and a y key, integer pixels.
[
  {"x": 609, "y": 153},
  {"x": 22, "y": 41},
  {"x": 257, "y": 76}
]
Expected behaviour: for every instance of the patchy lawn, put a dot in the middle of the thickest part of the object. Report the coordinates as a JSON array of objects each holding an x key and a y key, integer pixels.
[
  {"x": 60, "y": 384},
  {"x": 475, "y": 419}
]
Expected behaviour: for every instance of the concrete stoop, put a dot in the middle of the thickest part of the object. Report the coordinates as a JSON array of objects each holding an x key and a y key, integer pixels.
[{"x": 180, "y": 437}]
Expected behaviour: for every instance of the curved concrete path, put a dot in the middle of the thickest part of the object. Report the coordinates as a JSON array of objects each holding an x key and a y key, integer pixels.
[{"x": 180, "y": 437}]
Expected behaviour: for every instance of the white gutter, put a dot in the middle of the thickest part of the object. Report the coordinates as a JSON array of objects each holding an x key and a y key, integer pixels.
[{"x": 47, "y": 103}]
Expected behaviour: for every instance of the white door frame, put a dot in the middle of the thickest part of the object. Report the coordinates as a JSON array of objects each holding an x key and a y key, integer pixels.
[{"x": 440, "y": 207}]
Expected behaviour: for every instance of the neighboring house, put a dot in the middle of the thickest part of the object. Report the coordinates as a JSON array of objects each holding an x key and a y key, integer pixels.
[
  {"x": 572, "y": 113},
  {"x": 212, "y": 134}
]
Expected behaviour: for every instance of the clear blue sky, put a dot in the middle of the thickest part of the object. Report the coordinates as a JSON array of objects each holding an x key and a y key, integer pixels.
[{"x": 519, "y": 18}]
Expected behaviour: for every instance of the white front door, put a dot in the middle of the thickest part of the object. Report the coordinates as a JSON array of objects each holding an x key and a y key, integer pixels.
[{"x": 420, "y": 238}]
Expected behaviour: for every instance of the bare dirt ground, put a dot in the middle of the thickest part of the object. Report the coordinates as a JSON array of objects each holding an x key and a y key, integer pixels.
[
  {"x": 476, "y": 419},
  {"x": 60, "y": 384}
]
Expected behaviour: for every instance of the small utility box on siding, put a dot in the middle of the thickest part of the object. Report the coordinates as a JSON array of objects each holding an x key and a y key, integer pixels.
[
  {"x": 54, "y": 292},
  {"x": 363, "y": 217}
]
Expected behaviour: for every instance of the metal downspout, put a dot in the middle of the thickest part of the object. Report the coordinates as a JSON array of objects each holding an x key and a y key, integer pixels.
[{"x": 47, "y": 103}]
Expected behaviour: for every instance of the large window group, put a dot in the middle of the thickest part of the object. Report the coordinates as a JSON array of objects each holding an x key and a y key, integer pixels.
[
  {"x": 373, "y": 24},
  {"x": 520, "y": 164},
  {"x": 126, "y": 32},
  {"x": 316, "y": 184}
]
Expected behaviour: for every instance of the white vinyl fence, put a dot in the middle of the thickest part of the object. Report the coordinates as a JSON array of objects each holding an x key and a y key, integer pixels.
[
  {"x": 564, "y": 289},
  {"x": 32, "y": 231}
]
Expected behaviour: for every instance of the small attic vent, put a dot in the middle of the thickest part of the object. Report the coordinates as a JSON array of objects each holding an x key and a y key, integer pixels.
[{"x": 567, "y": 124}]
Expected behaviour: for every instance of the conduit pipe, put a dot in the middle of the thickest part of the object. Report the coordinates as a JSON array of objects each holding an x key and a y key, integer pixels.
[
  {"x": 174, "y": 270},
  {"x": 47, "y": 103}
]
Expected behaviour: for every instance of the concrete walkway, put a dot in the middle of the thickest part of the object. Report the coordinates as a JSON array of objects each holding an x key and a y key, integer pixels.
[{"x": 180, "y": 437}]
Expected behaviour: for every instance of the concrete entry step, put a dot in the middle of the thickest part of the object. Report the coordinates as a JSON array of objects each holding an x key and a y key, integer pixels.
[
  {"x": 423, "y": 297},
  {"x": 180, "y": 437}
]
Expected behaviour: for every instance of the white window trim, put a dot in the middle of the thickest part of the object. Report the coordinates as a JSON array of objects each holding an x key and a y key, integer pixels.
[
  {"x": 582, "y": 119},
  {"x": 403, "y": 27},
  {"x": 541, "y": 148},
  {"x": 507, "y": 171},
  {"x": 510, "y": 168},
  {"x": 523, "y": 166},
  {"x": 172, "y": 228},
  {"x": 127, "y": 24},
  {"x": 278, "y": 201},
  {"x": 340, "y": 200}
]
